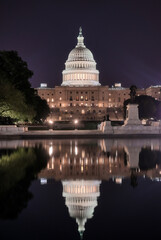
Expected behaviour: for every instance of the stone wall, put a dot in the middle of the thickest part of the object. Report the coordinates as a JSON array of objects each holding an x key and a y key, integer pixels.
[{"x": 12, "y": 129}]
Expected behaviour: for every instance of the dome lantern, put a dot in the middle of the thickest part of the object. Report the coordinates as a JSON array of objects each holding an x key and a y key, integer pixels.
[{"x": 80, "y": 39}]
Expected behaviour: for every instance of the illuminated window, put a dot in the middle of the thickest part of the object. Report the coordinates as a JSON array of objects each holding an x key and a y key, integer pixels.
[
  {"x": 83, "y": 112},
  {"x": 81, "y": 97},
  {"x": 48, "y": 99},
  {"x": 60, "y": 98},
  {"x": 52, "y": 100},
  {"x": 109, "y": 99}
]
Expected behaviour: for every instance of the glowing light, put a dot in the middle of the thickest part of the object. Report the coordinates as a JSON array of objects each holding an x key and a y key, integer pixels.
[
  {"x": 118, "y": 180},
  {"x": 83, "y": 112},
  {"x": 50, "y": 150},
  {"x": 83, "y": 153},
  {"x": 76, "y": 150},
  {"x": 60, "y": 168},
  {"x": 43, "y": 181},
  {"x": 76, "y": 121},
  {"x": 52, "y": 162},
  {"x": 50, "y": 121}
]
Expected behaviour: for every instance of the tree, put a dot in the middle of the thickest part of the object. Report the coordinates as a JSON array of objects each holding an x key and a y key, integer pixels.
[
  {"x": 133, "y": 178},
  {"x": 148, "y": 159},
  {"x": 12, "y": 103},
  {"x": 15, "y": 70},
  {"x": 18, "y": 168},
  {"x": 148, "y": 106},
  {"x": 42, "y": 109},
  {"x": 18, "y": 100}
]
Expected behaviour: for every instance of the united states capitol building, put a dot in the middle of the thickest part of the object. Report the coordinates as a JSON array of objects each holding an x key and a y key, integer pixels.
[{"x": 81, "y": 95}]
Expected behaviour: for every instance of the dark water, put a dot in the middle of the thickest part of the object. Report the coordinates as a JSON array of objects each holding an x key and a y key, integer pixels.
[{"x": 72, "y": 189}]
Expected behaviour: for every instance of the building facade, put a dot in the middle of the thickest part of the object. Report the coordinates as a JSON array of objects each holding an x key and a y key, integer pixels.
[{"x": 81, "y": 95}]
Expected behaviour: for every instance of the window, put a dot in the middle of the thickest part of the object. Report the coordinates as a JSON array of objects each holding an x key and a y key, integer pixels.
[
  {"x": 70, "y": 104},
  {"x": 77, "y": 98},
  {"x": 83, "y": 112},
  {"x": 92, "y": 98},
  {"x": 81, "y": 97},
  {"x": 71, "y": 99}
]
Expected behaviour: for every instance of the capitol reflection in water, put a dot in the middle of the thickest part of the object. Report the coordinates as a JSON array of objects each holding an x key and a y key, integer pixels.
[{"x": 81, "y": 165}]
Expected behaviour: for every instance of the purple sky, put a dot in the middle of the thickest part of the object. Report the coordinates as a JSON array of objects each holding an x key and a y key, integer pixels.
[{"x": 123, "y": 35}]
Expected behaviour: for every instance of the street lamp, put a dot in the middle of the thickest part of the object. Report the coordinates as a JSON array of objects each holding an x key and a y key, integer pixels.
[
  {"x": 51, "y": 124},
  {"x": 75, "y": 123}
]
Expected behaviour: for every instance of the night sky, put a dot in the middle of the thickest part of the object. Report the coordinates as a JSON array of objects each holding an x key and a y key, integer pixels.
[{"x": 123, "y": 35}]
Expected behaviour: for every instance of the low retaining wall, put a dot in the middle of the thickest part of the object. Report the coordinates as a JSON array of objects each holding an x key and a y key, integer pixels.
[
  {"x": 106, "y": 128},
  {"x": 12, "y": 129}
]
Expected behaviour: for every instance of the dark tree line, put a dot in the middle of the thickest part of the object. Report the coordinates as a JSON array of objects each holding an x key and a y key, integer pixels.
[
  {"x": 18, "y": 101},
  {"x": 148, "y": 106}
]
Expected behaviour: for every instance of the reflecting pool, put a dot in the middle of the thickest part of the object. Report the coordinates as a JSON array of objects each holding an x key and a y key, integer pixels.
[{"x": 80, "y": 189}]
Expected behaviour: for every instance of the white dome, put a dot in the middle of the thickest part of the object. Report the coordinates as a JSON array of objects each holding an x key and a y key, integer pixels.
[
  {"x": 80, "y": 67},
  {"x": 80, "y": 54},
  {"x": 81, "y": 199}
]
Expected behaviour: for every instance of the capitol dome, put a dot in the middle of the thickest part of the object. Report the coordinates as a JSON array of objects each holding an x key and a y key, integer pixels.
[
  {"x": 80, "y": 67},
  {"x": 81, "y": 200}
]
